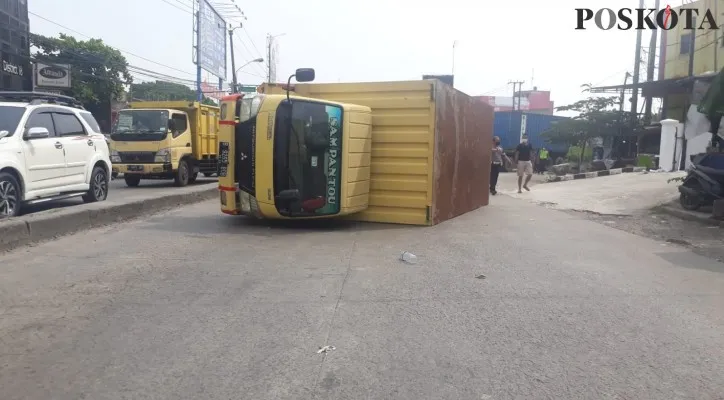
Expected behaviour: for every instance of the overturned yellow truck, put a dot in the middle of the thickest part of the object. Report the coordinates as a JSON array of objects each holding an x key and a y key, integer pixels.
[
  {"x": 413, "y": 152},
  {"x": 292, "y": 157}
]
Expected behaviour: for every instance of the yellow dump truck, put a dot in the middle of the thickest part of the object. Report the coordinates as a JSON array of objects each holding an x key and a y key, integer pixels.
[{"x": 165, "y": 140}]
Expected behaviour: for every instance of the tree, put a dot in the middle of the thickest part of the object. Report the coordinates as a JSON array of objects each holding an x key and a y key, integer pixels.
[
  {"x": 99, "y": 72},
  {"x": 162, "y": 90},
  {"x": 597, "y": 117}
]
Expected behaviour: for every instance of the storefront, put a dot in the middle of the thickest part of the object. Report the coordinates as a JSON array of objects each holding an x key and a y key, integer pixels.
[{"x": 15, "y": 70}]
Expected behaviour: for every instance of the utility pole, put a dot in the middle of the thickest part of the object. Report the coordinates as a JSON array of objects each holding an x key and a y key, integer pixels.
[
  {"x": 199, "y": 92},
  {"x": 650, "y": 68},
  {"x": 520, "y": 89},
  {"x": 516, "y": 93},
  {"x": 716, "y": 39},
  {"x": 269, "y": 61},
  {"x": 453, "y": 57},
  {"x": 234, "y": 84},
  {"x": 692, "y": 48},
  {"x": 637, "y": 68}
]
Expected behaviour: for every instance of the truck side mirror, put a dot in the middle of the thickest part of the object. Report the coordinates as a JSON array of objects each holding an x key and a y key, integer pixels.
[
  {"x": 172, "y": 125},
  {"x": 304, "y": 74}
]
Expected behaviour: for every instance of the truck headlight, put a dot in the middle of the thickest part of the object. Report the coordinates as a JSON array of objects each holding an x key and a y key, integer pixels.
[
  {"x": 245, "y": 203},
  {"x": 163, "y": 156},
  {"x": 115, "y": 158}
]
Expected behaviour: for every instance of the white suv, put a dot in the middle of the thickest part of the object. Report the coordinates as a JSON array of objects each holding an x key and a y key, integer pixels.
[{"x": 50, "y": 149}]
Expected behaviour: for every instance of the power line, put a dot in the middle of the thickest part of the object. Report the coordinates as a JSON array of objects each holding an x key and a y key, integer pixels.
[
  {"x": 252, "y": 42},
  {"x": 179, "y": 8},
  {"x": 116, "y": 48},
  {"x": 248, "y": 52},
  {"x": 193, "y": 14}
]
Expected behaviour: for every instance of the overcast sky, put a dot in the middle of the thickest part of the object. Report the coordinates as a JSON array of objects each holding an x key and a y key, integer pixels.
[{"x": 373, "y": 40}]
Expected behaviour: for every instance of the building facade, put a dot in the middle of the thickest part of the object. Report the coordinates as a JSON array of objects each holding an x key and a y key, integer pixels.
[
  {"x": 677, "y": 45},
  {"x": 533, "y": 101},
  {"x": 15, "y": 68}
]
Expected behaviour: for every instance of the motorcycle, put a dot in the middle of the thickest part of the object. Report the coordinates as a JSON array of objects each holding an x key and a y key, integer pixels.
[{"x": 704, "y": 182}]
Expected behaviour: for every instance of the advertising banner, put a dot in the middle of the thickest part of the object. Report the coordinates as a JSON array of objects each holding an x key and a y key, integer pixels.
[
  {"x": 52, "y": 76},
  {"x": 211, "y": 40}
]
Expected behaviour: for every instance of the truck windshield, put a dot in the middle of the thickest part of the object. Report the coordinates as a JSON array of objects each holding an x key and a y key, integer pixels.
[
  {"x": 10, "y": 118},
  {"x": 307, "y": 157},
  {"x": 249, "y": 107},
  {"x": 140, "y": 125}
]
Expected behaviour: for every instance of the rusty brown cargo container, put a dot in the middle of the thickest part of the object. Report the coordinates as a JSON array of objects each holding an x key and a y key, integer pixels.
[{"x": 431, "y": 148}]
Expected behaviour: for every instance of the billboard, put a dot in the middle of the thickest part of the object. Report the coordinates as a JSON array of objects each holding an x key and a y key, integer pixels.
[
  {"x": 52, "y": 76},
  {"x": 211, "y": 40}
]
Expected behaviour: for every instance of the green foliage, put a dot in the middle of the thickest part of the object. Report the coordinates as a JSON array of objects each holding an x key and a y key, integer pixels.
[
  {"x": 574, "y": 154},
  {"x": 98, "y": 72},
  {"x": 644, "y": 160},
  {"x": 165, "y": 91},
  {"x": 597, "y": 117}
]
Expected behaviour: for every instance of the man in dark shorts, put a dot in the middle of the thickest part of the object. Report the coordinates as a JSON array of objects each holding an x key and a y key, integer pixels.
[{"x": 524, "y": 160}]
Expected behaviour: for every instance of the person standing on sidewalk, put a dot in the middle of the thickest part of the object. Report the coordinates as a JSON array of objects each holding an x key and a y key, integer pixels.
[
  {"x": 524, "y": 161},
  {"x": 542, "y": 160},
  {"x": 498, "y": 160}
]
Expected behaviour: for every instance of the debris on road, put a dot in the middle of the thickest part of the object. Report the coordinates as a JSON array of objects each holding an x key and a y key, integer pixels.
[
  {"x": 481, "y": 276},
  {"x": 408, "y": 257},
  {"x": 326, "y": 349}
]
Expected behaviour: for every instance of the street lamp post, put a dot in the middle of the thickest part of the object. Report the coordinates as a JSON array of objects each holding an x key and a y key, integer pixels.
[{"x": 256, "y": 60}]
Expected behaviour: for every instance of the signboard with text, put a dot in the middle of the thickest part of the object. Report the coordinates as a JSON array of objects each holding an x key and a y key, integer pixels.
[
  {"x": 211, "y": 40},
  {"x": 52, "y": 76}
]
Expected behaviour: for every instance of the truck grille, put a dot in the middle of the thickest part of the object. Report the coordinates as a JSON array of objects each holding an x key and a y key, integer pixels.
[{"x": 137, "y": 156}]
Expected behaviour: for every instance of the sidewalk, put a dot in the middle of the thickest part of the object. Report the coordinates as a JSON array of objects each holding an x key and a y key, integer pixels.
[{"x": 624, "y": 194}]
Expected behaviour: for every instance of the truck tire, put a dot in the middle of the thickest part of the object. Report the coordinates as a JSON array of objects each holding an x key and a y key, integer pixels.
[
  {"x": 131, "y": 180},
  {"x": 98, "y": 190},
  {"x": 10, "y": 196},
  {"x": 183, "y": 174},
  {"x": 193, "y": 177}
]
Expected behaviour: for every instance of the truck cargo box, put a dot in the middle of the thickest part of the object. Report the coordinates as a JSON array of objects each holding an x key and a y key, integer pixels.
[
  {"x": 510, "y": 128},
  {"x": 431, "y": 148}
]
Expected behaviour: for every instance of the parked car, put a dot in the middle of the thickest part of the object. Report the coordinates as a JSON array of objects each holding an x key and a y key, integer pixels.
[{"x": 50, "y": 149}]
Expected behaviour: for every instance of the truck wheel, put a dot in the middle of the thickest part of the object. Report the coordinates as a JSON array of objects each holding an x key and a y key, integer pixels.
[
  {"x": 132, "y": 180},
  {"x": 193, "y": 177},
  {"x": 183, "y": 174},
  {"x": 98, "y": 190},
  {"x": 9, "y": 196}
]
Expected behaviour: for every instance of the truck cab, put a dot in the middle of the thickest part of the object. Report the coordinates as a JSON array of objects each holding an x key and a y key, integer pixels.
[
  {"x": 288, "y": 157},
  {"x": 165, "y": 140}
]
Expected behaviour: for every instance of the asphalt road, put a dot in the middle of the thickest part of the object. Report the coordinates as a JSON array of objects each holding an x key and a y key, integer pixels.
[
  {"x": 117, "y": 192},
  {"x": 192, "y": 304}
]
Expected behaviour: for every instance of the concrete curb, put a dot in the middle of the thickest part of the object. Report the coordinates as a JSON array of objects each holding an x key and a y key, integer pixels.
[
  {"x": 48, "y": 225},
  {"x": 586, "y": 175},
  {"x": 703, "y": 218}
]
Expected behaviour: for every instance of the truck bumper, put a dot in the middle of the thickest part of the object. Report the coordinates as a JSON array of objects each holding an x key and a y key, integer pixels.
[{"x": 143, "y": 169}]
